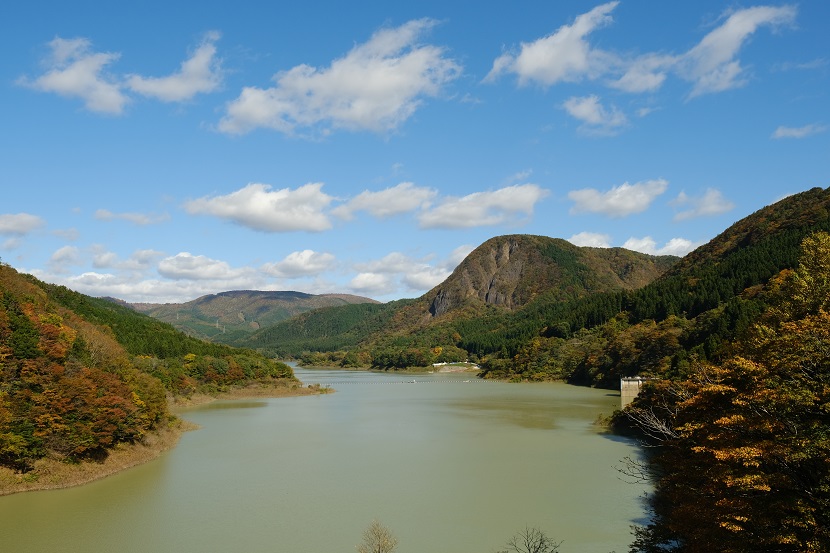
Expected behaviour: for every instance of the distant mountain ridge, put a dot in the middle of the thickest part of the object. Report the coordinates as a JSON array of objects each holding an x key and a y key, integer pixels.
[{"x": 228, "y": 316}]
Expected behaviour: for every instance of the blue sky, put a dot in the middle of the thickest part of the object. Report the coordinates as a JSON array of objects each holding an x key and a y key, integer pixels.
[{"x": 158, "y": 152}]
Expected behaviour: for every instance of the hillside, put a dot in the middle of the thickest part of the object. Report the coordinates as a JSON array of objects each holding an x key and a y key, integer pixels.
[
  {"x": 511, "y": 271},
  {"x": 540, "y": 308},
  {"x": 230, "y": 316},
  {"x": 81, "y": 375},
  {"x": 497, "y": 280}
]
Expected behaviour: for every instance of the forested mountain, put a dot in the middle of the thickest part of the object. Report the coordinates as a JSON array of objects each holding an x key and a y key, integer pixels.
[
  {"x": 230, "y": 316},
  {"x": 511, "y": 271},
  {"x": 740, "y": 449},
  {"x": 495, "y": 284},
  {"x": 79, "y": 375},
  {"x": 529, "y": 307}
]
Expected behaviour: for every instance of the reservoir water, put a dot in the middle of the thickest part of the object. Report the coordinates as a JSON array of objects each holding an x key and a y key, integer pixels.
[{"x": 448, "y": 463}]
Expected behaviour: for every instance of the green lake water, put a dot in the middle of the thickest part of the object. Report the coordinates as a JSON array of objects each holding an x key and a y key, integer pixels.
[{"x": 449, "y": 466}]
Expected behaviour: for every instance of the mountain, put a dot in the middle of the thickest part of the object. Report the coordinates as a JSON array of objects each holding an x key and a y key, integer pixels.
[
  {"x": 501, "y": 277},
  {"x": 511, "y": 271},
  {"x": 228, "y": 317},
  {"x": 538, "y": 307}
]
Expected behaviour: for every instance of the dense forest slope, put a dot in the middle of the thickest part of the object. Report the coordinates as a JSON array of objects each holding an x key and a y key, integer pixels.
[
  {"x": 79, "y": 375},
  {"x": 231, "y": 316},
  {"x": 528, "y": 307},
  {"x": 739, "y": 448}
]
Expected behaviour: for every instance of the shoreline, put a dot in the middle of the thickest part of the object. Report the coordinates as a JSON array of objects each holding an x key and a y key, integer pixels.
[{"x": 55, "y": 474}]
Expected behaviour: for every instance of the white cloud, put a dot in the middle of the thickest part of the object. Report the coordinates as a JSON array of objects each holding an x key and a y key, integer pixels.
[
  {"x": 711, "y": 203},
  {"x": 300, "y": 264},
  {"x": 647, "y": 245},
  {"x": 595, "y": 117},
  {"x": 798, "y": 132},
  {"x": 259, "y": 207},
  {"x": 425, "y": 278},
  {"x": 130, "y": 288},
  {"x": 479, "y": 209},
  {"x": 396, "y": 200},
  {"x": 63, "y": 258},
  {"x": 140, "y": 219},
  {"x": 141, "y": 259},
  {"x": 712, "y": 65},
  {"x": 196, "y": 267},
  {"x": 645, "y": 73},
  {"x": 201, "y": 73},
  {"x": 376, "y": 86},
  {"x": 103, "y": 259},
  {"x": 591, "y": 239},
  {"x": 564, "y": 56},
  {"x": 458, "y": 255},
  {"x": 397, "y": 270},
  {"x": 621, "y": 201},
  {"x": 74, "y": 70},
  {"x": 19, "y": 224},
  {"x": 372, "y": 284}
]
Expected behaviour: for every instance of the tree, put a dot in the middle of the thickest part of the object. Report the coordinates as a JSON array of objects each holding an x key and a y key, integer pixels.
[
  {"x": 531, "y": 540},
  {"x": 743, "y": 462},
  {"x": 377, "y": 538}
]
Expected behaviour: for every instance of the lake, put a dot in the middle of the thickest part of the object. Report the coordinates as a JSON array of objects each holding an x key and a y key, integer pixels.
[{"x": 449, "y": 463}]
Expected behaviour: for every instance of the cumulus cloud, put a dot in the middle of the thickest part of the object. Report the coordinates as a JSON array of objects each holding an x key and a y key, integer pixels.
[
  {"x": 74, "y": 70},
  {"x": 19, "y": 224},
  {"x": 591, "y": 239},
  {"x": 596, "y": 118},
  {"x": 647, "y": 245},
  {"x": 140, "y": 219},
  {"x": 711, "y": 203},
  {"x": 63, "y": 258},
  {"x": 129, "y": 288},
  {"x": 185, "y": 265},
  {"x": 505, "y": 205},
  {"x": 396, "y": 271},
  {"x": 621, "y": 201},
  {"x": 201, "y": 73},
  {"x": 564, "y": 56},
  {"x": 396, "y": 200},
  {"x": 372, "y": 284},
  {"x": 300, "y": 264},
  {"x": 102, "y": 259},
  {"x": 376, "y": 87},
  {"x": 258, "y": 207},
  {"x": 712, "y": 65},
  {"x": 798, "y": 132}
]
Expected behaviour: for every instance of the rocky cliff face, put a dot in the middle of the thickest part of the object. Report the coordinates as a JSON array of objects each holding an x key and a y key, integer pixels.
[{"x": 510, "y": 271}]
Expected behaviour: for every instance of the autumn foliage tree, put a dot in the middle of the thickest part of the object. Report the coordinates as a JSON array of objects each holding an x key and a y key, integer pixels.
[{"x": 742, "y": 461}]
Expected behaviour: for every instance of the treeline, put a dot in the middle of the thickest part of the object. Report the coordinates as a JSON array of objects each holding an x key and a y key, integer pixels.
[
  {"x": 79, "y": 375},
  {"x": 740, "y": 449},
  {"x": 324, "y": 330}
]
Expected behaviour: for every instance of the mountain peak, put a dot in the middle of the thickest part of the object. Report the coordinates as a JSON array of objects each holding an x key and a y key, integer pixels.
[{"x": 510, "y": 271}]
